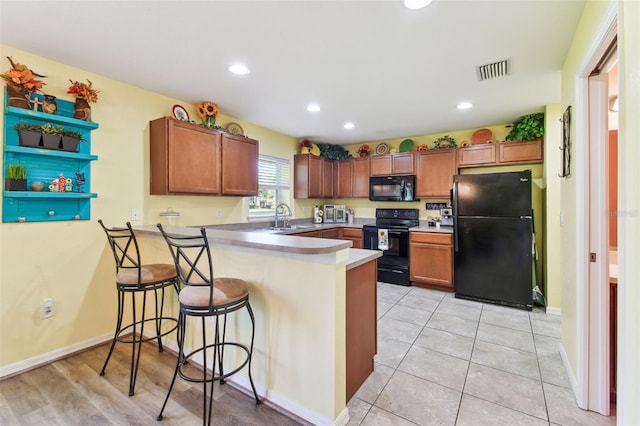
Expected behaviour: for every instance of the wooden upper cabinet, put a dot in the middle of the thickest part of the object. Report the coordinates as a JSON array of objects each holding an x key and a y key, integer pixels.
[
  {"x": 307, "y": 176},
  {"x": 342, "y": 178},
  {"x": 184, "y": 158},
  {"x": 520, "y": 152},
  {"x": 360, "y": 177},
  {"x": 327, "y": 178},
  {"x": 392, "y": 164},
  {"x": 239, "y": 165},
  {"x": 434, "y": 172},
  {"x": 501, "y": 153},
  {"x": 477, "y": 155}
]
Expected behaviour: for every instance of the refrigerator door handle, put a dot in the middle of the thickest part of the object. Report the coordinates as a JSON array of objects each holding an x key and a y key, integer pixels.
[{"x": 454, "y": 199}]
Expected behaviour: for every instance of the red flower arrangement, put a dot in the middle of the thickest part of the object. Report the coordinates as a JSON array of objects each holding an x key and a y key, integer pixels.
[{"x": 83, "y": 89}]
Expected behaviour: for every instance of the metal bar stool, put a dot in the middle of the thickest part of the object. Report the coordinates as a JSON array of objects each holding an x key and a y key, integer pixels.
[
  {"x": 203, "y": 296},
  {"x": 133, "y": 277}
]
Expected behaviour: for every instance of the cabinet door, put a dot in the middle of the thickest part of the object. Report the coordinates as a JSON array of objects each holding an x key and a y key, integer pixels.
[
  {"x": 402, "y": 164},
  {"x": 477, "y": 155},
  {"x": 342, "y": 178},
  {"x": 360, "y": 178},
  {"x": 381, "y": 165},
  {"x": 353, "y": 234},
  {"x": 434, "y": 172},
  {"x": 431, "y": 259},
  {"x": 185, "y": 158},
  {"x": 520, "y": 152},
  {"x": 307, "y": 176},
  {"x": 327, "y": 178},
  {"x": 239, "y": 165}
]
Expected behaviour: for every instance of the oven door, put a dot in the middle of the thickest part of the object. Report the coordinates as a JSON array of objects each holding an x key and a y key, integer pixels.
[{"x": 398, "y": 242}]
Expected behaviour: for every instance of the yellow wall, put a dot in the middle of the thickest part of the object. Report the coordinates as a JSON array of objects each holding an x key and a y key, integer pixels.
[
  {"x": 69, "y": 261},
  {"x": 587, "y": 26}
]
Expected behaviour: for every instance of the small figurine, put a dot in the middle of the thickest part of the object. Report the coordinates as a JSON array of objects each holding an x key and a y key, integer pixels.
[{"x": 80, "y": 182}]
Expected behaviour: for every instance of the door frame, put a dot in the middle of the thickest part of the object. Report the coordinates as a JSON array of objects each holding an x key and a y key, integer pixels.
[{"x": 591, "y": 390}]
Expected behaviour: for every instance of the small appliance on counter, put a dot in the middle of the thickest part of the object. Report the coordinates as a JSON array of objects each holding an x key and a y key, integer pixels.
[
  {"x": 317, "y": 214},
  {"x": 446, "y": 217},
  {"x": 335, "y": 213}
]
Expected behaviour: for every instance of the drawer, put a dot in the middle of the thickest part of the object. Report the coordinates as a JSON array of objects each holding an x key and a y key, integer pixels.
[
  {"x": 352, "y": 232},
  {"x": 431, "y": 238}
]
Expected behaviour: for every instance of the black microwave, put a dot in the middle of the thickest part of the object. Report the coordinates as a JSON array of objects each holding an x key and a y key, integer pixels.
[{"x": 392, "y": 188}]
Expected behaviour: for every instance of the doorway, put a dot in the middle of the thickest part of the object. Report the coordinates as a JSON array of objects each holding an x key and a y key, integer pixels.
[{"x": 594, "y": 325}]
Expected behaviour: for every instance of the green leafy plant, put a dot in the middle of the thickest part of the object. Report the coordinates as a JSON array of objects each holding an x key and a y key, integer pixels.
[
  {"x": 27, "y": 127},
  {"x": 72, "y": 134},
  {"x": 527, "y": 128},
  {"x": 445, "y": 141},
  {"x": 16, "y": 171},
  {"x": 52, "y": 129},
  {"x": 333, "y": 152}
]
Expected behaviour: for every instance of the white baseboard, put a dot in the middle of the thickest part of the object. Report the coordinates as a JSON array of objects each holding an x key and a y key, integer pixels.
[
  {"x": 554, "y": 311},
  {"x": 49, "y": 357},
  {"x": 567, "y": 367}
]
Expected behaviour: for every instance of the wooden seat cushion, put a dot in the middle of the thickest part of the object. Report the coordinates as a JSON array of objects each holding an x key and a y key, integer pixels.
[
  {"x": 149, "y": 274},
  {"x": 225, "y": 291}
]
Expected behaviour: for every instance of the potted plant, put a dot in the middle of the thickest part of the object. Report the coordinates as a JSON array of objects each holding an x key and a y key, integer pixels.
[
  {"x": 21, "y": 82},
  {"x": 29, "y": 134},
  {"x": 51, "y": 135},
  {"x": 70, "y": 140},
  {"x": 527, "y": 128},
  {"x": 16, "y": 179},
  {"x": 85, "y": 94}
]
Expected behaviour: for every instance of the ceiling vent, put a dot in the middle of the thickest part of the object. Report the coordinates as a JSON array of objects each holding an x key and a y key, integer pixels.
[{"x": 494, "y": 70}]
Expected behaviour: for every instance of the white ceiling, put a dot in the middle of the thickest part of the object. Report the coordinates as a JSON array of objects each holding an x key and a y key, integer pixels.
[{"x": 393, "y": 72}]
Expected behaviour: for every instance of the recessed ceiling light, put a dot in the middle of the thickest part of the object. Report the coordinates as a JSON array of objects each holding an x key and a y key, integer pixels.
[
  {"x": 239, "y": 69},
  {"x": 416, "y": 4},
  {"x": 465, "y": 105},
  {"x": 313, "y": 108},
  {"x": 349, "y": 125}
]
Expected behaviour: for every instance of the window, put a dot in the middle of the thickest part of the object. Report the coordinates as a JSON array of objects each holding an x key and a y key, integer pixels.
[{"x": 274, "y": 175}]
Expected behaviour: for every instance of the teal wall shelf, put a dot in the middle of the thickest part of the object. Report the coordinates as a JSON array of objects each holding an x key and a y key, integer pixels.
[{"x": 45, "y": 165}]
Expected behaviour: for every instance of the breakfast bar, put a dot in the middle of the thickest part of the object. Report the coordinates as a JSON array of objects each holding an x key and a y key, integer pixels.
[{"x": 314, "y": 301}]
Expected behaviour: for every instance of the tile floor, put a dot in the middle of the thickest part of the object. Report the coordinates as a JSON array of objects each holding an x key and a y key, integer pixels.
[{"x": 449, "y": 361}]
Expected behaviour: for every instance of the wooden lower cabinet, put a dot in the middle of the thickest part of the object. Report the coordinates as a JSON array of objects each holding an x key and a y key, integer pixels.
[
  {"x": 312, "y": 234},
  {"x": 431, "y": 260},
  {"x": 330, "y": 233},
  {"x": 361, "y": 324},
  {"x": 353, "y": 234}
]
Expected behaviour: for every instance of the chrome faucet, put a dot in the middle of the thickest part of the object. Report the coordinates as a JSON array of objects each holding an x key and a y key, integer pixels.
[{"x": 283, "y": 212}]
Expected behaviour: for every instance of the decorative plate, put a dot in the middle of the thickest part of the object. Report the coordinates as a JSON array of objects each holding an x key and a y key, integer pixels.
[
  {"x": 382, "y": 148},
  {"x": 179, "y": 113},
  {"x": 235, "y": 129},
  {"x": 315, "y": 150},
  {"x": 481, "y": 136},
  {"x": 406, "y": 145}
]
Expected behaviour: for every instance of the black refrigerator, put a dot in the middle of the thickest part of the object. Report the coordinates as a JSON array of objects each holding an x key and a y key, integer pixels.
[{"x": 493, "y": 236}]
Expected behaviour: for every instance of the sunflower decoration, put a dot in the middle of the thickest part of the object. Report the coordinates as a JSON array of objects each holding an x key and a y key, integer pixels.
[{"x": 208, "y": 112}]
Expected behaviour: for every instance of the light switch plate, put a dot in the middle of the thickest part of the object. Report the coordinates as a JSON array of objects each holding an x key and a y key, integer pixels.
[{"x": 135, "y": 214}]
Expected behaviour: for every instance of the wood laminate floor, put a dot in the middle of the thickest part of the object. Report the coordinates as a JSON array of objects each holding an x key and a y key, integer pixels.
[{"x": 71, "y": 392}]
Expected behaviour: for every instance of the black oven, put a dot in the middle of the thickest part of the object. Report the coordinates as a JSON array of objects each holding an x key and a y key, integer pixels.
[{"x": 393, "y": 266}]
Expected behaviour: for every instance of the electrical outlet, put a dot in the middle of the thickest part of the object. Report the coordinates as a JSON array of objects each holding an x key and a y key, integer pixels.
[
  {"x": 304, "y": 210},
  {"x": 219, "y": 212},
  {"x": 135, "y": 214},
  {"x": 47, "y": 309}
]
